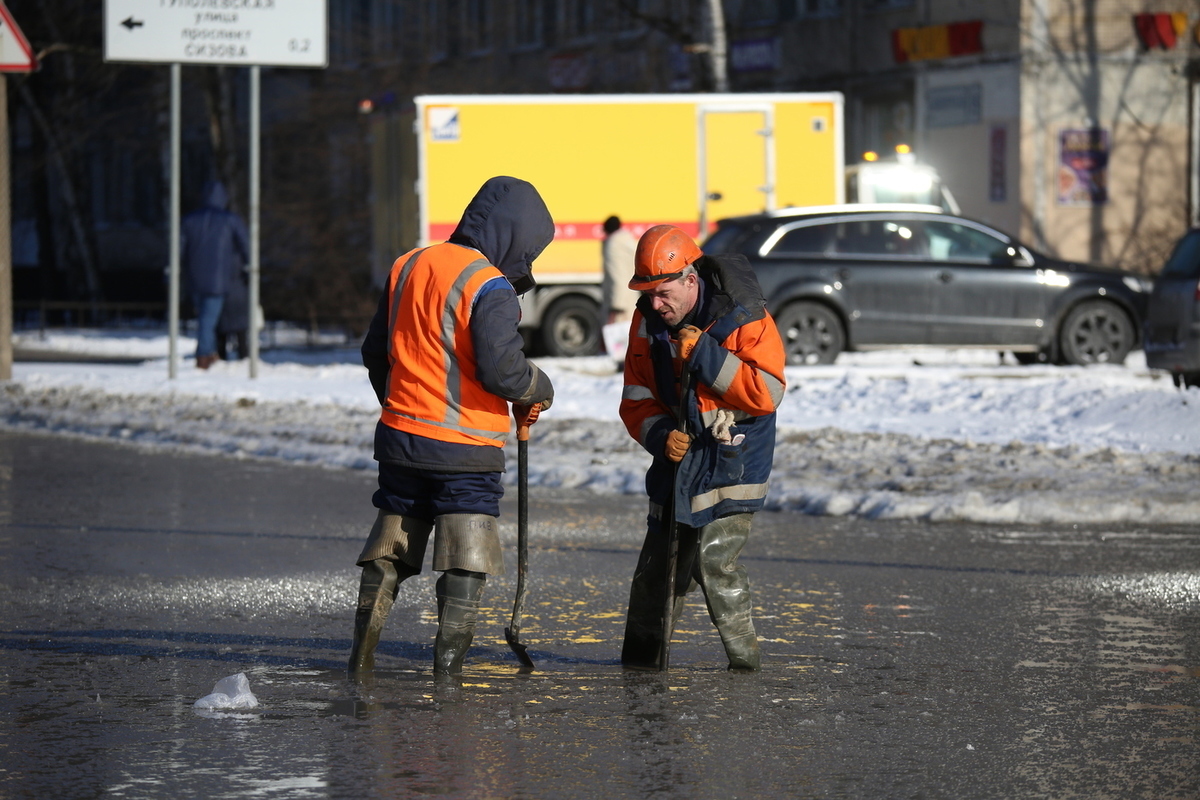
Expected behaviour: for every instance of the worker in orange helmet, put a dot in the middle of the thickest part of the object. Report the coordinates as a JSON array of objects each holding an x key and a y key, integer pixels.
[
  {"x": 444, "y": 357},
  {"x": 703, "y": 319}
]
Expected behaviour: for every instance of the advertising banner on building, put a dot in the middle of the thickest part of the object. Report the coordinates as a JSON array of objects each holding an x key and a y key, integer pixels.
[{"x": 1082, "y": 166}]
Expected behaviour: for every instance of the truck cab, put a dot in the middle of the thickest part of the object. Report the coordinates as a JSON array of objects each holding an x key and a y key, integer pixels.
[{"x": 897, "y": 180}]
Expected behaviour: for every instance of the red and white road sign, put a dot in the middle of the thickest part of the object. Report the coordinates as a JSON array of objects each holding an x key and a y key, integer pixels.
[{"x": 15, "y": 53}]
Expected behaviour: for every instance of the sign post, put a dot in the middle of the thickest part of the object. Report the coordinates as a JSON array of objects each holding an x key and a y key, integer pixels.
[
  {"x": 251, "y": 33},
  {"x": 15, "y": 56}
]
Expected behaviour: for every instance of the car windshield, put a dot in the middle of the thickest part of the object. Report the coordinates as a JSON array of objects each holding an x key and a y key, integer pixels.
[
  {"x": 727, "y": 238},
  {"x": 1185, "y": 261}
]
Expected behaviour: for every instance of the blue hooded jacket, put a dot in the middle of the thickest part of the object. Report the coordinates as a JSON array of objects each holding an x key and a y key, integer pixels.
[{"x": 213, "y": 244}]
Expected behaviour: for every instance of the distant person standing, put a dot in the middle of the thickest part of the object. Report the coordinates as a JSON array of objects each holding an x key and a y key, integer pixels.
[
  {"x": 235, "y": 319},
  {"x": 618, "y": 251},
  {"x": 213, "y": 247},
  {"x": 617, "y": 298}
]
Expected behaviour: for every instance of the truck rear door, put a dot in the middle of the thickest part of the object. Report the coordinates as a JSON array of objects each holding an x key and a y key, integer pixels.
[{"x": 737, "y": 173}]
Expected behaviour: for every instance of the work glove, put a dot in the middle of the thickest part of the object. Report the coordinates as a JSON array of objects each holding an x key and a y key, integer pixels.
[
  {"x": 527, "y": 415},
  {"x": 687, "y": 337},
  {"x": 678, "y": 443}
]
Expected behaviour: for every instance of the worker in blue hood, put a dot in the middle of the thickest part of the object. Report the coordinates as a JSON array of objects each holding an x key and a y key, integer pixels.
[{"x": 443, "y": 354}]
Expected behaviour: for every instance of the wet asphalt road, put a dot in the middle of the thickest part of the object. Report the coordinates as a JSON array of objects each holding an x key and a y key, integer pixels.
[{"x": 901, "y": 660}]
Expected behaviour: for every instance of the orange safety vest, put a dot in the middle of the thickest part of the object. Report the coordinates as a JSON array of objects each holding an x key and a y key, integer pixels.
[{"x": 432, "y": 389}]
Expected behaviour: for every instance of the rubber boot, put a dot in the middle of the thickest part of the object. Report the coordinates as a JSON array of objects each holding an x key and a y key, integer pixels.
[
  {"x": 377, "y": 591},
  {"x": 458, "y": 594},
  {"x": 727, "y": 589},
  {"x": 642, "y": 647}
]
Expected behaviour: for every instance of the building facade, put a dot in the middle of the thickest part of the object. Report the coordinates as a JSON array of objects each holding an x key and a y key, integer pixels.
[{"x": 1069, "y": 123}]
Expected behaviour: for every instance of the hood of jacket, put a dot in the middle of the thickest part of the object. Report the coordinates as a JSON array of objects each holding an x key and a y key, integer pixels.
[
  {"x": 509, "y": 223},
  {"x": 215, "y": 195}
]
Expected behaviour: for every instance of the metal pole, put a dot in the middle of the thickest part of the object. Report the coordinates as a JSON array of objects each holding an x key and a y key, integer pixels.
[
  {"x": 1194, "y": 134},
  {"x": 173, "y": 281},
  {"x": 255, "y": 101},
  {"x": 6, "y": 305}
]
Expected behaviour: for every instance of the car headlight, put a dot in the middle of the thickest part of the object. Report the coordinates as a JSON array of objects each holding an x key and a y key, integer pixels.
[{"x": 1137, "y": 284}]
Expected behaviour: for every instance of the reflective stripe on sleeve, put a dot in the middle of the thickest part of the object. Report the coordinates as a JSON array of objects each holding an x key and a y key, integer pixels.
[
  {"x": 636, "y": 392},
  {"x": 727, "y": 373},
  {"x": 774, "y": 386},
  {"x": 647, "y": 424}
]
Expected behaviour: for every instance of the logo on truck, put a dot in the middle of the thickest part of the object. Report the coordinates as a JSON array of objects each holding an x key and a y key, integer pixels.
[{"x": 443, "y": 124}]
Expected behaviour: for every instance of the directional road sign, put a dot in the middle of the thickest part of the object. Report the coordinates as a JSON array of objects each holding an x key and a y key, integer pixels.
[
  {"x": 15, "y": 53},
  {"x": 283, "y": 33}
]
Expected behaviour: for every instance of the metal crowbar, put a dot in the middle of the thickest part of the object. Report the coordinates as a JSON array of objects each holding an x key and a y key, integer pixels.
[
  {"x": 664, "y": 653},
  {"x": 513, "y": 632}
]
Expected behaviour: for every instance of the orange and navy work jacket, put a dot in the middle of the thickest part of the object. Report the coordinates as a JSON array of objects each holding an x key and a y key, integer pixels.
[
  {"x": 736, "y": 383},
  {"x": 432, "y": 390}
]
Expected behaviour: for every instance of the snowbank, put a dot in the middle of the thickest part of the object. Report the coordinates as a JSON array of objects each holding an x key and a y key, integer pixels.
[{"x": 914, "y": 434}]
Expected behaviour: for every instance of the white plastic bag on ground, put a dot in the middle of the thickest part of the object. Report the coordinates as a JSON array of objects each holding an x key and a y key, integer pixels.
[{"x": 231, "y": 692}]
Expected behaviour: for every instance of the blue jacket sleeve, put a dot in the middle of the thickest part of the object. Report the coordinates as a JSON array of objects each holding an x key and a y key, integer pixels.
[
  {"x": 375, "y": 350},
  {"x": 500, "y": 363}
]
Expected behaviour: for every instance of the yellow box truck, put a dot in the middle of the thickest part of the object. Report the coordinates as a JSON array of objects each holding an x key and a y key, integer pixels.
[{"x": 683, "y": 159}]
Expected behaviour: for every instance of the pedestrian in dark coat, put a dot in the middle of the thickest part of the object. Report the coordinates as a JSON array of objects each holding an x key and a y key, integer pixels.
[{"x": 213, "y": 246}]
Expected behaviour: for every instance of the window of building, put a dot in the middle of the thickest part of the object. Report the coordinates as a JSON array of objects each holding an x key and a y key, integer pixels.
[
  {"x": 437, "y": 33},
  {"x": 817, "y": 8},
  {"x": 387, "y": 30},
  {"x": 627, "y": 15},
  {"x": 348, "y": 24},
  {"x": 579, "y": 19},
  {"x": 125, "y": 186},
  {"x": 526, "y": 25},
  {"x": 476, "y": 26}
]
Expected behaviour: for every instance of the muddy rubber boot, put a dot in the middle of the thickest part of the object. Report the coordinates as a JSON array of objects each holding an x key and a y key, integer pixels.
[
  {"x": 377, "y": 590},
  {"x": 642, "y": 647},
  {"x": 727, "y": 589},
  {"x": 458, "y": 594}
]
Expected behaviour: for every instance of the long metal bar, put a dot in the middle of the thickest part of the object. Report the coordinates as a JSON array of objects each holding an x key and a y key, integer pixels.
[
  {"x": 1194, "y": 171},
  {"x": 173, "y": 269},
  {"x": 672, "y": 543},
  {"x": 6, "y": 301},
  {"x": 255, "y": 124}
]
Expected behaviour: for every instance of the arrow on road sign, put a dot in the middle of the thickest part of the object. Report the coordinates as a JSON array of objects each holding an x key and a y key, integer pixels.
[
  {"x": 15, "y": 53},
  {"x": 132, "y": 23}
]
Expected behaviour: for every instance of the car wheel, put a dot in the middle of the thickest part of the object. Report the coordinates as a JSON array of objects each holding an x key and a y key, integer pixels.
[
  {"x": 1096, "y": 332},
  {"x": 1191, "y": 380},
  {"x": 812, "y": 334},
  {"x": 571, "y": 327}
]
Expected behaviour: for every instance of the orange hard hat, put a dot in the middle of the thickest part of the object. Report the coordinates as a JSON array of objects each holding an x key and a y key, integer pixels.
[{"x": 663, "y": 253}]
